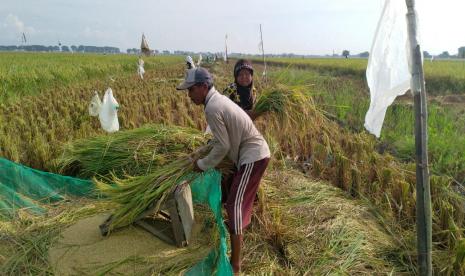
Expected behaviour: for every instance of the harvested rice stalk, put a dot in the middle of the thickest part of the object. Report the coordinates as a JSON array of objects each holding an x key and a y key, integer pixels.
[
  {"x": 132, "y": 152},
  {"x": 283, "y": 101},
  {"x": 136, "y": 193},
  {"x": 25, "y": 240},
  {"x": 272, "y": 100}
]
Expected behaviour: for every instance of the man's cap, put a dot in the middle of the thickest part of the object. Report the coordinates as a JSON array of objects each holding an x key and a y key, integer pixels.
[{"x": 195, "y": 75}]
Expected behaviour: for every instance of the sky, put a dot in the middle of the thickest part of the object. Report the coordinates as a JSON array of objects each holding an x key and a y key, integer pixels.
[{"x": 294, "y": 26}]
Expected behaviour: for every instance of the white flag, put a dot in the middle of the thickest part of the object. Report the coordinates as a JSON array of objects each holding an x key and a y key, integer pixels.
[{"x": 388, "y": 73}]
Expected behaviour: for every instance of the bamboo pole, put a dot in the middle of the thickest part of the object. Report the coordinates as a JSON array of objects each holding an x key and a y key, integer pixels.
[
  {"x": 263, "y": 52},
  {"x": 423, "y": 203},
  {"x": 226, "y": 48}
]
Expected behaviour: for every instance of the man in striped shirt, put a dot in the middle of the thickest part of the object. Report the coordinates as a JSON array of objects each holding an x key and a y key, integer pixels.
[{"x": 235, "y": 136}]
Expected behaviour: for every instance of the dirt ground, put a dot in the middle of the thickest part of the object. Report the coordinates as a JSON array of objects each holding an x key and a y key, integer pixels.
[{"x": 82, "y": 250}]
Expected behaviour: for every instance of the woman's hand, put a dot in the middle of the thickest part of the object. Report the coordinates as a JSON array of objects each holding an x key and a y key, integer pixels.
[{"x": 252, "y": 114}]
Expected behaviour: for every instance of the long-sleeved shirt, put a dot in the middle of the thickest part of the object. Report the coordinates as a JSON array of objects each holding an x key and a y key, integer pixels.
[
  {"x": 234, "y": 133},
  {"x": 243, "y": 98}
]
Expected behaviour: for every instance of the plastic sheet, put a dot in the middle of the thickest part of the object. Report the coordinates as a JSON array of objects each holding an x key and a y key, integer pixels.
[{"x": 387, "y": 73}]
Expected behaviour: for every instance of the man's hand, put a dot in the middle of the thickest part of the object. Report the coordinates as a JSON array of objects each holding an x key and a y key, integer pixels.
[{"x": 196, "y": 167}]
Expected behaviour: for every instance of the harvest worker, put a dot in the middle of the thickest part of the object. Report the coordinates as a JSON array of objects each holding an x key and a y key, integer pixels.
[
  {"x": 234, "y": 135},
  {"x": 242, "y": 90}
]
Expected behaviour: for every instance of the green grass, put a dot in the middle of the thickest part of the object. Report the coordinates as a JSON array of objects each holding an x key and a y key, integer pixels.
[{"x": 446, "y": 138}]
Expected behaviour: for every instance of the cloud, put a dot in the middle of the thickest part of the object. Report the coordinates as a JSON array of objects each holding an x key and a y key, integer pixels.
[
  {"x": 101, "y": 36},
  {"x": 13, "y": 24}
]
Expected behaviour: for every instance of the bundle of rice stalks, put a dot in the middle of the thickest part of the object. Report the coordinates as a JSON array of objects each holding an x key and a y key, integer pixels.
[
  {"x": 136, "y": 193},
  {"x": 272, "y": 100},
  {"x": 132, "y": 152},
  {"x": 283, "y": 101}
]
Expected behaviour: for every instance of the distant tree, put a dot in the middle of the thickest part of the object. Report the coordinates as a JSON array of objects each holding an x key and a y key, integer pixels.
[
  {"x": 444, "y": 54},
  {"x": 55, "y": 48},
  {"x": 426, "y": 54},
  {"x": 346, "y": 53},
  {"x": 9, "y": 48},
  {"x": 166, "y": 52},
  {"x": 364, "y": 54},
  {"x": 36, "y": 48},
  {"x": 461, "y": 53},
  {"x": 133, "y": 51}
]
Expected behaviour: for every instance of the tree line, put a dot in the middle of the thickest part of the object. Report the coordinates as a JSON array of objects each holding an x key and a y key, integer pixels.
[
  {"x": 115, "y": 50},
  {"x": 64, "y": 48},
  {"x": 426, "y": 54}
]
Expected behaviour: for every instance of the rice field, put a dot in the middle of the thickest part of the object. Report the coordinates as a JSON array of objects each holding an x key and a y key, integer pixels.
[
  {"x": 442, "y": 76},
  {"x": 43, "y": 114},
  {"x": 346, "y": 99},
  {"x": 31, "y": 73}
]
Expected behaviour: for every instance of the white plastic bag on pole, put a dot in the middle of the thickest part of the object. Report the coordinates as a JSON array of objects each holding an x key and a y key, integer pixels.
[
  {"x": 140, "y": 68},
  {"x": 387, "y": 73},
  {"x": 108, "y": 115},
  {"x": 95, "y": 105},
  {"x": 199, "y": 61}
]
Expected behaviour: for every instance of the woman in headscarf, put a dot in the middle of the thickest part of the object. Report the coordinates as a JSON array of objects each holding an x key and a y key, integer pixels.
[{"x": 242, "y": 90}]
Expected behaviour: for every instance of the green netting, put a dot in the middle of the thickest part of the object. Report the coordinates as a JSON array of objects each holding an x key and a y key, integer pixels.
[
  {"x": 25, "y": 188},
  {"x": 10, "y": 201},
  {"x": 206, "y": 189}
]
